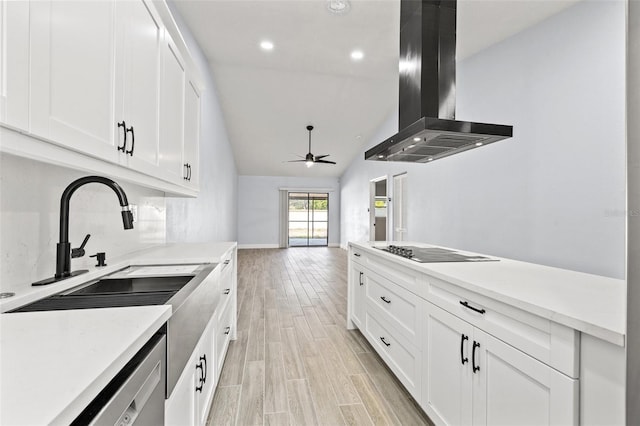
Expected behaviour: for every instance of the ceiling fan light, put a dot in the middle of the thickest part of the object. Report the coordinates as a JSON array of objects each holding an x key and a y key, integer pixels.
[{"x": 308, "y": 163}]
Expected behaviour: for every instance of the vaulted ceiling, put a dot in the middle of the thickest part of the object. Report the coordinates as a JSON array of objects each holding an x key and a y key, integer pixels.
[{"x": 269, "y": 97}]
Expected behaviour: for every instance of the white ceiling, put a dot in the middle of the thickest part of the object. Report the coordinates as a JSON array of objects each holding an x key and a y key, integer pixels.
[{"x": 268, "y": 98}]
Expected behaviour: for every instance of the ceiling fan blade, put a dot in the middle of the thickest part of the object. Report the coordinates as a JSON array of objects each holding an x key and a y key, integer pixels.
[
  {"x": 320, "y": 157},
  {"x": 295, "y": 161},
  {"x": 324, "y": 161}
]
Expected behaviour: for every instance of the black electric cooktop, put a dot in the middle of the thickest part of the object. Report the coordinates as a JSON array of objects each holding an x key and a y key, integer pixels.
[{"x": 433, "y": 254}]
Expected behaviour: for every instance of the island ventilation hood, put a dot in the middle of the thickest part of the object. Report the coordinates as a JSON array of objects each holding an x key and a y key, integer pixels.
[{"x": 428, "y": 128}]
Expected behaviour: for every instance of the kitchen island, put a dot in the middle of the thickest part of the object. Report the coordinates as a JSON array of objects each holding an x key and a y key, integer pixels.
[
  {"x": 54, "y": 363},
  {"x": 510, "y": 341}
]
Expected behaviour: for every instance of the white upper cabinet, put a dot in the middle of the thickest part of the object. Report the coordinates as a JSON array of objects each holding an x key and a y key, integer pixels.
[
  {"x": 102, "y": 80},
  {"x": 72, "y": 68},
  {"x": 139, "y": 41},
  {"x": 191, "y": 134},
  {"x": 172, "y": 111},
  {"x": 14, "y": 63}
]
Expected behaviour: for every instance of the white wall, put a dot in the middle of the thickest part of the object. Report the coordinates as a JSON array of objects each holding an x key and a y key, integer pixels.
[
  {"x": 553, "y": 194},
  {"x": 258, "y": 207},
  {"x": 213, "y": 215},
  {"x": 29, "y": 220}
]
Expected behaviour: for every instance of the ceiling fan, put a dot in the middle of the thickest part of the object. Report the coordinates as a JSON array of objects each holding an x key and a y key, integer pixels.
[{"x": 310, "y": 159}]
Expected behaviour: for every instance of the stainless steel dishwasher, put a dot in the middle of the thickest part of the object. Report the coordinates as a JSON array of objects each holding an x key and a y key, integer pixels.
[{"x": 136, "y": 394}]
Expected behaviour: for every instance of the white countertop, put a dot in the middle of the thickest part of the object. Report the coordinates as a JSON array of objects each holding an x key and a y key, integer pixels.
[
  {"x": 164, "y": 254},
  {"x": 52, "y": 364},
  {"x": 592, "y": 304}
]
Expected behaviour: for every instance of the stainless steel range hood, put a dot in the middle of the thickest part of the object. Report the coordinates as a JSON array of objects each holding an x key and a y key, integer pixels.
[{"x": 428, "y": 129}]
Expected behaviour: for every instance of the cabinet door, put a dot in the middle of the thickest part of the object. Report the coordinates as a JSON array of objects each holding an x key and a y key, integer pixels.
[
  {"x": 72, "y": 75},
  {"x": 447, "y": 381},
  {"x": 180, "y": 408},
  {"x": 172, "y": 112},
  {"x": 14, "y": 63},
  {"x": 138, "y": 82},
  {"x": 191, "y": 133},
  {"x": 358, "y": 295},
  {"x": 511, "y": 388},
  {"x": 206, "y": 358}
]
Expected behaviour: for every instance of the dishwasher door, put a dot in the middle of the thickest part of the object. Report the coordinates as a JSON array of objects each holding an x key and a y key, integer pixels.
[{"x": 136, "y": 394}]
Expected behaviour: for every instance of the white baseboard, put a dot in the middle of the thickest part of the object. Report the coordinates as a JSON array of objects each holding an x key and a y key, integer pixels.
[
  {"x": 272, "y": 246},
  {"x": 258, "y": 246}
]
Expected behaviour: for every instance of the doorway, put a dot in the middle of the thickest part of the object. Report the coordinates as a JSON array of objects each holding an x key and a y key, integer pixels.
[
  {"x": 399, "y": 207},
  {"x": 308, "y": 219},
  {"x": 378, "y": 209}
]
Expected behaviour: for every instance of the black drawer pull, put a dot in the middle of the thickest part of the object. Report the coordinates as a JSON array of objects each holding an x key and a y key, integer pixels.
[
  {"x": 199, "y": 388},
  {"x": 385, "y": 300},
  {"x": 356, "y": 254},
  {"x": 133, "y": 140},
  {"x": 227, "y": 330},
  {"x": 361, "y": 274},
  {"x": 473, "y": 356},
  {"x": 204, "y": 358},
  {"x": 227, "y": 290},
  {"x": 385, "y": 342},
  {"x": 124, "y": 145},
  {"x": 462, "y": 357},
  {"x": 189, "y": 172},
  {"x": 468, "y": 306}
]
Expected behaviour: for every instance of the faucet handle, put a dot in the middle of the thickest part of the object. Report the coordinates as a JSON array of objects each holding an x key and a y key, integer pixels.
[{"x": 79, "y": 252}]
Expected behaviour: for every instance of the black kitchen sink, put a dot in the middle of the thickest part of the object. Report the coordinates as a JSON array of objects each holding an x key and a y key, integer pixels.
[
  {"x": 135, "y": 285},
  {"x": 113, "y": 293}
]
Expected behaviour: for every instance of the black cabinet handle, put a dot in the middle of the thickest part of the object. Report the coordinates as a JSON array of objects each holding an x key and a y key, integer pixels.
[
  {"x": 361, "y": 274},
  {"x": 188, "y": 172},
  {"x": 462, "y": 357},
  {"x": 356, "y": 254},
  {"x": 124, "y": 145},
  {"x": 204, "y": 358},
  {"x": 385, "y": 342},
  {"x": 227, "y": 330},
  {"x": 468, "y": 306},
  {"x": 133, "y": 140},
  {"x": 473, "y": 356},
  {"x": 227, "y": 291},
  {"x": 201, "y": 380},
  {"x": 385, "y": 300},
  {"x": 185, "y": 171}
]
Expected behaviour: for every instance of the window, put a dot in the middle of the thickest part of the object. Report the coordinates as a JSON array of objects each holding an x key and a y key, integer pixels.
[{"x": 308, "y": 219}]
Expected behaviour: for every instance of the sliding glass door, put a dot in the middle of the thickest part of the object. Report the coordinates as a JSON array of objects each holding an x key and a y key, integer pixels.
[{"x": 308, "y": 219}]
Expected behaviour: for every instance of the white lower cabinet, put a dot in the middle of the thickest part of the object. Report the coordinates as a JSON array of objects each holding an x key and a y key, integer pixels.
[
  {"x": 191, "y": 398},
  {"x": 357, "y": 296},
  {"x": 471, "y": 377}
]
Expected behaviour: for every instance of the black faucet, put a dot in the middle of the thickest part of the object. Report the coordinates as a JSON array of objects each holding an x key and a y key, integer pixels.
[{"x": 63, "y": 248}]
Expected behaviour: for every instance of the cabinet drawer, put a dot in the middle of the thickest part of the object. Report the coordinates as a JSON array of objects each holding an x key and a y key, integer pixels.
[
  {"x": 399, "y": 306},
  {"x": 224, "y": 330},
  {"x": 357, "y": 255},
  {"x": 401, "y": 275},
  {"x": 399, "y": 353},
  {"x": 545, "y": 340}
]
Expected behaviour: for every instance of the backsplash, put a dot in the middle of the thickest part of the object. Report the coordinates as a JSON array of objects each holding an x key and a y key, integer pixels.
[{"x": 29, "y": 220}]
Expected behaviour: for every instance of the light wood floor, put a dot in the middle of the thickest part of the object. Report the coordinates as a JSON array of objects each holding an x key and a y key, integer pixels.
[{"x": 294, "y": 362}]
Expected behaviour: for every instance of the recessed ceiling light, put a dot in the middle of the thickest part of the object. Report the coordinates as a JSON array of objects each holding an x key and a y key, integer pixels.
[
  {"x": 416, "y": 139},
  {"x": 430, "y": 159},
  {"x": 266, "y": 45},
  {"x": 357, "y": 55},
  {"x": 411, "y": 146},
  {"x": 478, "y": 143},
  {"x": 339, "y": 7},
  {"x": 380, "y": 156}
]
